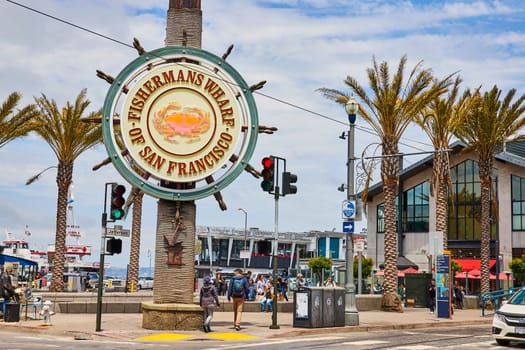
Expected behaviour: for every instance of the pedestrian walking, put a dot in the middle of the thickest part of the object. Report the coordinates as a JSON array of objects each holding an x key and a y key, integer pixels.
[
  {"x": 238, "y": 291},
  {"x": 208, "y": 300},
  {"x": 220, "y": 284},
  {"x": 431, "y": 295}
]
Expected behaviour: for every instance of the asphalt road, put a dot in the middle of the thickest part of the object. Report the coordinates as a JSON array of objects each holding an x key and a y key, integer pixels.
[{"x": 462, "y": 338}]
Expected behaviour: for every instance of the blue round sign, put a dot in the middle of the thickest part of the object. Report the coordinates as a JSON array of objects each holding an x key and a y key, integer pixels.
[{"x": 348, "y": 209}]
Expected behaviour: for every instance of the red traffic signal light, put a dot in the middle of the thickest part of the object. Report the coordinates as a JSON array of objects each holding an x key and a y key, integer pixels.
[{"x": 267, "y": 174}]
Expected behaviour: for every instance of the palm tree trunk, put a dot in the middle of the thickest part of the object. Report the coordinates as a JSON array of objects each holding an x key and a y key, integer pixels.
[
  {"x": 133, "y": 273},
  {"x": 390, "y": 177},
  {"x": 174, "y": 283},
  {"x": 443, "y": 179},
  {"x": 485, "y": 176},
  {"x": 64, "y": 177}
]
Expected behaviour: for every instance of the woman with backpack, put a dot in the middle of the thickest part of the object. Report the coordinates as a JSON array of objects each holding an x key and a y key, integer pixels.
[{"x": 208, "y": 299}]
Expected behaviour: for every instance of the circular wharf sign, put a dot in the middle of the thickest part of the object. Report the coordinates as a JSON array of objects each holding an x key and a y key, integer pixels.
[{"x": 179, "y": 115}]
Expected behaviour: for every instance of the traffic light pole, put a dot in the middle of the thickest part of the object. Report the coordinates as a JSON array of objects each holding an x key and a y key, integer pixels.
[
  {"x": 275, "y": 262},
  {"x": 101, "y": 262},
  {"x": 101, "y": 270},
  {"x": 270, "y": 184}
]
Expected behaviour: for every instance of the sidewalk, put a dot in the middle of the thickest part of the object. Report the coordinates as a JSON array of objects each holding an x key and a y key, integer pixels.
[{"x": 254, "y": 325}]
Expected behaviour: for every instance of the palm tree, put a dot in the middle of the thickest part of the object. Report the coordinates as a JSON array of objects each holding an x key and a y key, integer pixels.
[
  {"x": 488, "y": 125},
  {"x": 439, "y": 120},
  {"x": 68, "y": 136},
  {"x": 393, "y": 107},
  {"x": 134, "y": 256},
  {"x": 15, "y": 126}
]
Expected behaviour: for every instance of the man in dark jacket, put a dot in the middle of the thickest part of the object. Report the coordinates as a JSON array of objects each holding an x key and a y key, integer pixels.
[
  {"x": 431, "y": 295},
  {"x": 6, "y": 288},
  {"x": 238, "y": 291}
]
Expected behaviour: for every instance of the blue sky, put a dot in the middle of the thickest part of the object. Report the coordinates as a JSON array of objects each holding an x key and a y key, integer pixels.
[{"x": 297, "y": 46}]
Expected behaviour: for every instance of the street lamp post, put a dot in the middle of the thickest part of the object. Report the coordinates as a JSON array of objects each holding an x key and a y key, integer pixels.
[
  {"x": 245, "y": 229},
  {"x": 149, "y": 257},
  {"x": 351, "y": 313}
]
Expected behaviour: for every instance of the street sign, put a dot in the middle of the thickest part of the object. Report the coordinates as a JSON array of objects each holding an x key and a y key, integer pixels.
[
  {"x": 348, "y": 209},
  {"x": 348, "y": 226},
  {"x": 245, "y": 254},
  {"x": 359, "y": 245},
  {"x": 118, "y": 231}
]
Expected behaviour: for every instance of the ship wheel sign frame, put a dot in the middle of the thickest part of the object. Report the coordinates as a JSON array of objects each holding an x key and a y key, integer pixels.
[{"x": 179, "y": 123}]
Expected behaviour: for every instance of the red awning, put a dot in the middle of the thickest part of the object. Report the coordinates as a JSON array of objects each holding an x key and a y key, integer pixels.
[{"x": 473, "y": 264}]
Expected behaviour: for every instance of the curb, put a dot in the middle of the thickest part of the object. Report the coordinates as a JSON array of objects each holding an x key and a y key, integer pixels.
[{"x": 132, "y": 334}]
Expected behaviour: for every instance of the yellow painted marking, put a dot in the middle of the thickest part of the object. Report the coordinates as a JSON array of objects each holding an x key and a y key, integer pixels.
[
  {"x": 165, "y": 337},
  {"x": 231, "y": 336}
]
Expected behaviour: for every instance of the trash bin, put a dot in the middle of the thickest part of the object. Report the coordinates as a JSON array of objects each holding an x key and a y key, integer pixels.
[
  {"x": 339, "y": 307},
  {"x": 328, "y": 307},
  {"x": 12, "y": 312},
  {"x": 308, "y": 306},
  {"x": 72, "y": 282}
]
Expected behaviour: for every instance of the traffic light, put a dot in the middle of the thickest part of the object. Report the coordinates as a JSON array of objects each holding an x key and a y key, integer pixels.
[
  {"x": 288, "y": 180},
  {"x": 114, "y": 246},
  {"x": 117, "y": 202},
  {"x": 267, "y": 174}
]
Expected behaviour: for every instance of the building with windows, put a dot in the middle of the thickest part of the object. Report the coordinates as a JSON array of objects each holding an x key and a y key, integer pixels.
[
  {"x": 416, "y": 208},
  {"x": 220, "y": 249}
]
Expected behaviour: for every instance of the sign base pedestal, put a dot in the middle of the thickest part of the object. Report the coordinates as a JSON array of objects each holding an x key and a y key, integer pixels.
[{"x": 172, "y": 316}]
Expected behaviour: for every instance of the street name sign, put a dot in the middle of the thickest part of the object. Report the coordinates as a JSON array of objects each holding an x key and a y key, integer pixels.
[{"x": 118, "y": 231}]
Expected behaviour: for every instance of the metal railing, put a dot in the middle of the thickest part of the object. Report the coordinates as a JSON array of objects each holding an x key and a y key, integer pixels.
[{"x": 495, "y": 298}]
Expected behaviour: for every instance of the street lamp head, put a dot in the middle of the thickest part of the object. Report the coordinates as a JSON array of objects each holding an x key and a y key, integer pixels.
[
  {"x": 37, "y": 176},
  {"x": 241, "y": 209},
  {"x": 351, "y": 108},
  {"x": 32, "y": 179}
]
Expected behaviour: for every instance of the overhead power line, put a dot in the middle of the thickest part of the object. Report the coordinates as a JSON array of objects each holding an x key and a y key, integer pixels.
[{"x": 279, "y": 100}]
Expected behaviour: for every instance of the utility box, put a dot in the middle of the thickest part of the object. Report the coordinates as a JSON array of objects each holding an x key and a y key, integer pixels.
[
  {"x": 12, "y": 312},
  {"x": 328, "y": 307},
  {"x": 416, "y": 288},
  {"x": 316, "y": 307},
  {"x": 339, "y": 307},
  {"x": 308, "y": 307}
]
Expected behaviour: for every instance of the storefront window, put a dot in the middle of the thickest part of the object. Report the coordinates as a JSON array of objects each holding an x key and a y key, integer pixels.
[
  {"x": 416, "y": 208},
  {"x": 464, "y": 210}
]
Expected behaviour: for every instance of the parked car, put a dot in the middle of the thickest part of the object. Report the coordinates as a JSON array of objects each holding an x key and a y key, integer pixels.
[
  {"x": 113, "y": 282},
  {"x": 509, "y": 321},
  {"x": 145, "y": 283}
]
